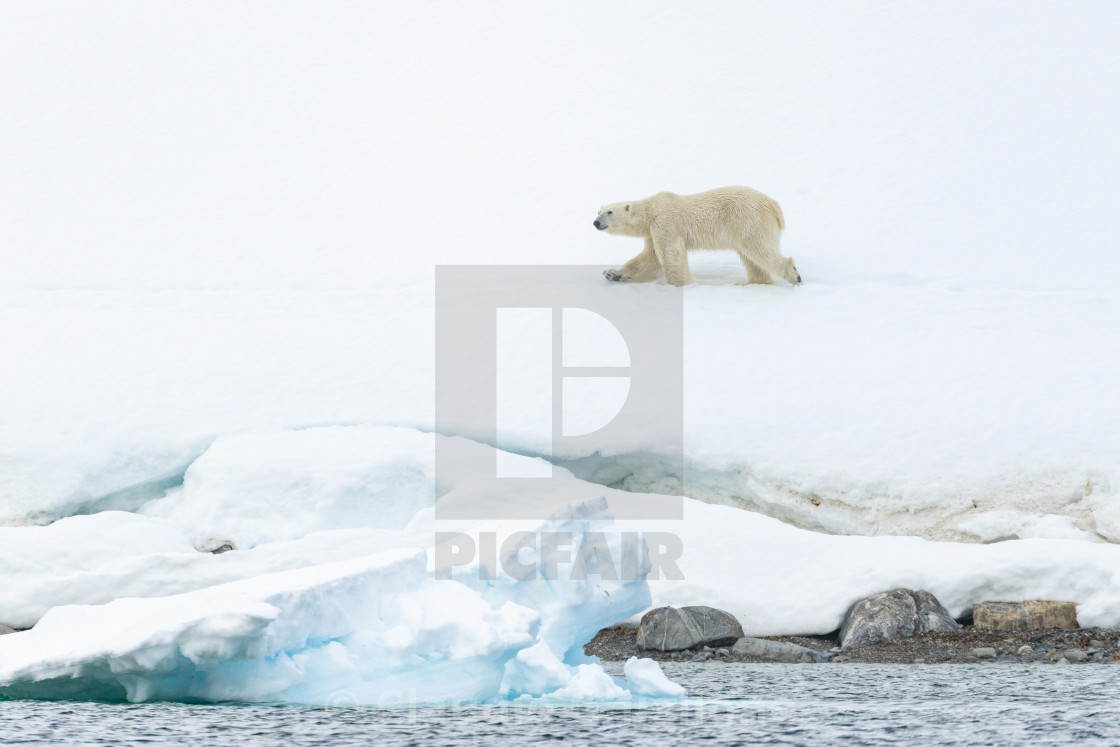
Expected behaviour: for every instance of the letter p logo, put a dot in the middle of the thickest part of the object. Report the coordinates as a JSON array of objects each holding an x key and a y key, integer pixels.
[
  {"x": 550, "y": 364},
  {"x": 560, "y": 373}
]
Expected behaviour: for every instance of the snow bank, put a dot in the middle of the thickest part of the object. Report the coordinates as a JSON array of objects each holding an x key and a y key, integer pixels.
[
  {"x": 779, "y": 579},
  {"x": 97, "y": 558},
  {"x": 911, "y": 409},
  {"x": 94, "y": 559},
  {"x": 865, "y": 409},
  {"x": 267, "y": 487}
]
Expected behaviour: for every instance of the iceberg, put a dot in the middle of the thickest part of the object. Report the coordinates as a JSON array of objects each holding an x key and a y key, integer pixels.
[
  {"x": 367, "y": 630},
  {"x": 332, "y": 616},
  {"x": 378, "y": 630}
]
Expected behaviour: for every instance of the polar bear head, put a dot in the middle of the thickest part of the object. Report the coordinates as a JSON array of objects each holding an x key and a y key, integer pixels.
[{"x": 617, "y": 218}]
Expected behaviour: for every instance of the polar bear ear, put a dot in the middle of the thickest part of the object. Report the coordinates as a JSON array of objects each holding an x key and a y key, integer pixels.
[{"x": 628, "y": 208}]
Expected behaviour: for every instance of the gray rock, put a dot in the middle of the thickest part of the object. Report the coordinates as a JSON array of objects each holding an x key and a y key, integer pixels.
[
  {"x": 1062, "y": 661},
  {"x": 1024, "y": 650},
  {"x": 891, "y": 615},
  {"x": 762, "y": 650},
  {"x": 1075, "y": 654},
  {"x": 672, "y": 629},
  {"x": 984, "y": 652},
  {"x": 4, "y": 629},
  {"x": 217, "y": 546},
  {"x": 1021, "y": 616},
  {"x": 1094, "y": 643},
  {"x": 702, "y": 656}
]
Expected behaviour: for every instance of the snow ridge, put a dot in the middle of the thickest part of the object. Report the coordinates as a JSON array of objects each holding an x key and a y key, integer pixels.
[{"x": 1059, "y": 505}]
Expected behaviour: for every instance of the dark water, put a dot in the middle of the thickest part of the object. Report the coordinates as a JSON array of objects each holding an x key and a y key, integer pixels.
[{"x": 849, "y": 704}]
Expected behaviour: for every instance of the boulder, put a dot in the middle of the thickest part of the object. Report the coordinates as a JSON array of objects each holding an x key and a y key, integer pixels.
[
  {"x": 1020, "y": 616},
  {"x": 217, "y": 546},
  {"x": 672, "y": 629},
  {"x": 761, "y": 649},
  {"x": 891, "y": 615}
]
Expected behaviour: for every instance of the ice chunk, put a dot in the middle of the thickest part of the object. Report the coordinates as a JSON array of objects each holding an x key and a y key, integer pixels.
[
  {"x": 534, "y": 671},
  {"x": 644, "y": 677},
  {"x": 377, "y": 630},
  {"x": 588, "y": 683}
]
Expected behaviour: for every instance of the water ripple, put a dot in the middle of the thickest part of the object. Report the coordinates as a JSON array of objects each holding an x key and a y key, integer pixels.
[{"x": 850, "y": 704}]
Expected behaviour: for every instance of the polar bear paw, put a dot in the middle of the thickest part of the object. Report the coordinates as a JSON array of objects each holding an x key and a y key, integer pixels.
[{"x": 614, "y": 275}]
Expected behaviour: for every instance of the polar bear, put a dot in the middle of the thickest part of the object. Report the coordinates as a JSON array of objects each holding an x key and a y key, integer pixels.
[{"x": 738, "y": 218}]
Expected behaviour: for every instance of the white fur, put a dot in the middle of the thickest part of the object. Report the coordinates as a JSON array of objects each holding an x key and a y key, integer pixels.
[{"x": 738, "y": 218}]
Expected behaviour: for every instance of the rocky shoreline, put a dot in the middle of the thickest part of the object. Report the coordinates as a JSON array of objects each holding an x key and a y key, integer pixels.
[
  {"x": 901, "y": 626},
  {"x": 1084, "y": 645}
]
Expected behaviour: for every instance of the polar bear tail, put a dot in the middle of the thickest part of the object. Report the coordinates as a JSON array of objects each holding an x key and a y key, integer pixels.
[{"x": 781, "y": 218}]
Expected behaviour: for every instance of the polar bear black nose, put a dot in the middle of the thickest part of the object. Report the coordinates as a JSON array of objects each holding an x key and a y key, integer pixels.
[{"x": 596, "y": 224}]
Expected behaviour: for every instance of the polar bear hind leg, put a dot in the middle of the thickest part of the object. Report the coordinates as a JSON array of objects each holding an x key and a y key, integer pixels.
[{"x": 763, "y": 253}]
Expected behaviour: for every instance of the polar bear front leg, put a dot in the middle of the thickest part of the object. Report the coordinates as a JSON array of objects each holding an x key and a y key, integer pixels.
[
  {"x": 755, "y": 274},
  {"x": 674, "y": 260},
  {"x": 641, "y": 269}
]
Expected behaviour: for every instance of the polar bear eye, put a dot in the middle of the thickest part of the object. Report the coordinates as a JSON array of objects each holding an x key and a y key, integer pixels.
[{"x": 610, "y": 212}]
